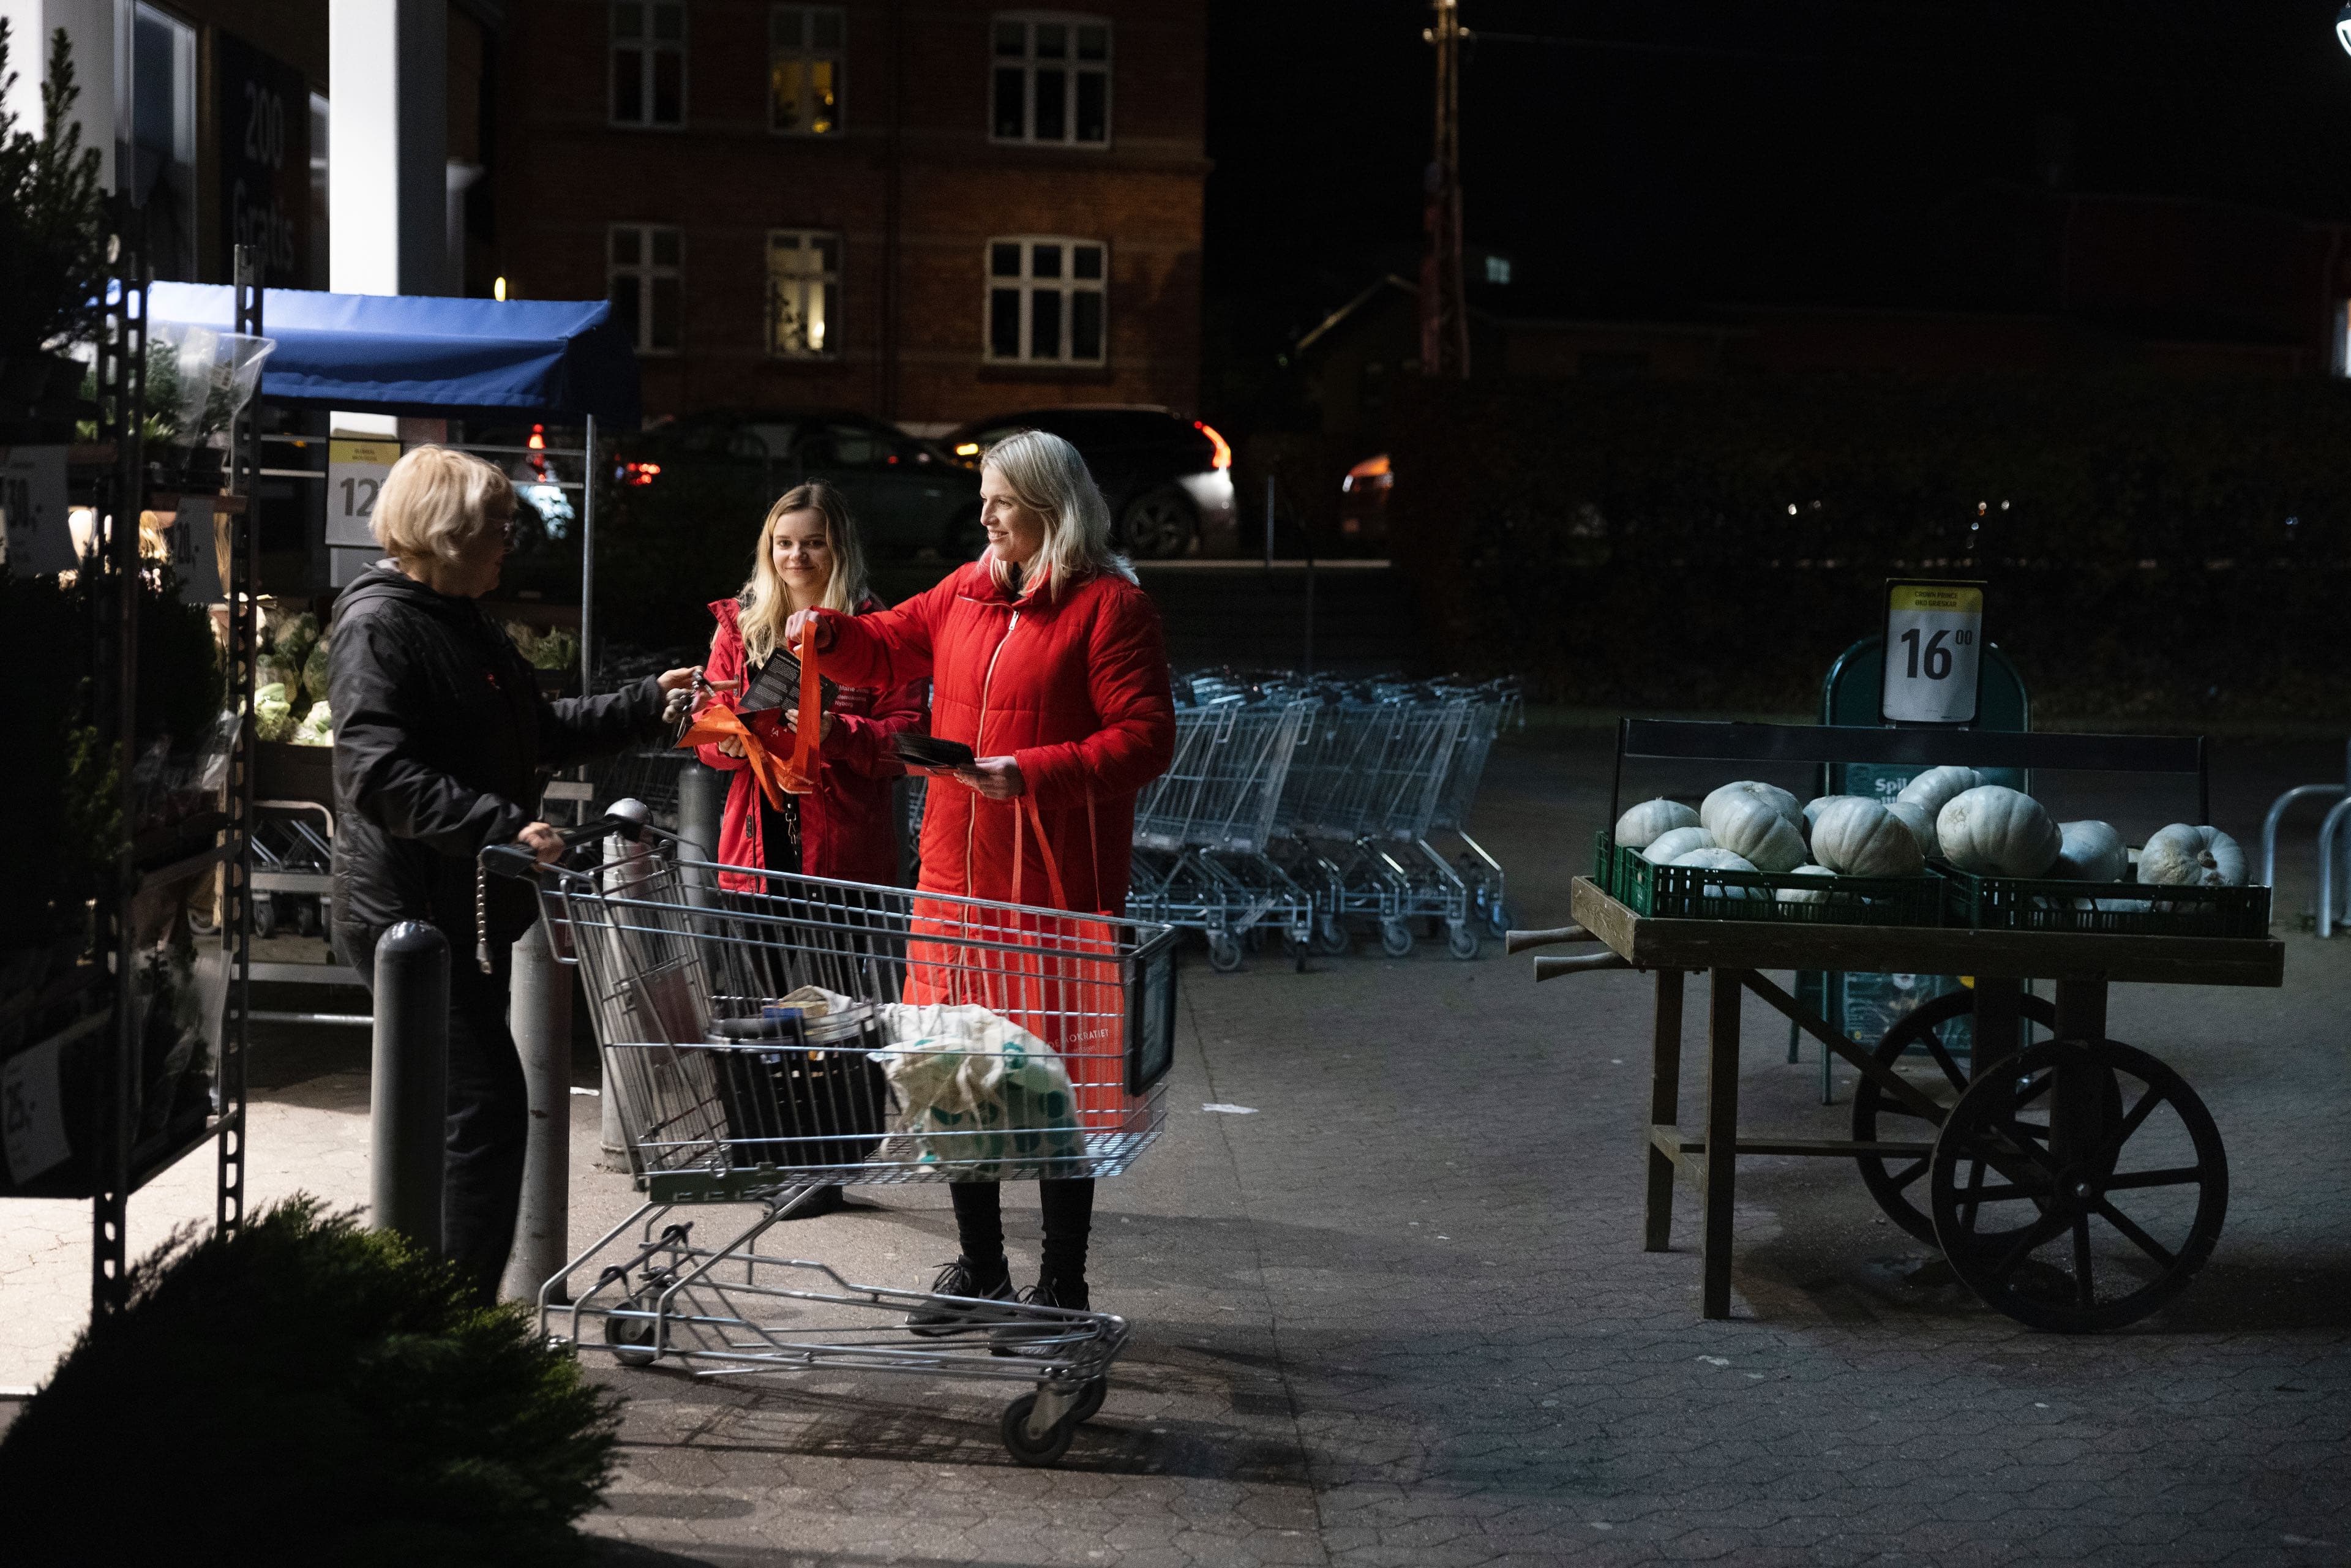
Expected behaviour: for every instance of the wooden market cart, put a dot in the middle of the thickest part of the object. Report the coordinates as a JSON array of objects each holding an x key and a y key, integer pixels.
[{"x": 2021, "y": 1167}]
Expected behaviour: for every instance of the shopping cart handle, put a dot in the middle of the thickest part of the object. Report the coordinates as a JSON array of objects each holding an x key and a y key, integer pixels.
[
  {"x": 1552, "y": 969},
  {"x": 509, "y": 860},
  {"x": 1520, "y": 941}
]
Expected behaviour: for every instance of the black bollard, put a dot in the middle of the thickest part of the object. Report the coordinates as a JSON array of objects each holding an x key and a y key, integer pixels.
[
  {"x": 539, "y": 1013},
  {"x": 701, "y": 806},
  {"x": 408, "y": 1103}
]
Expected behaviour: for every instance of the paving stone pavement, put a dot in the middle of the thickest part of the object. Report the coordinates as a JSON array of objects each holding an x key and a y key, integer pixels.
[{"x": 1400, "y": 1314}]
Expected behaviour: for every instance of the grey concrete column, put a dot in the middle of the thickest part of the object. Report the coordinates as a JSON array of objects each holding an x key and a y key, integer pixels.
[
  {"x": 539, "y": 1014},
  {"x": 409, "y": 1095}
]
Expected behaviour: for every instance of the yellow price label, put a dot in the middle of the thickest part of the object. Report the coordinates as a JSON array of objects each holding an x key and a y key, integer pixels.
[{"x": 1960, "y": 598}]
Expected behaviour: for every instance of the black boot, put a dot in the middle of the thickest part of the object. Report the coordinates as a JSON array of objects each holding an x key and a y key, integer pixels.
[{"x": 989, "y": 1281}]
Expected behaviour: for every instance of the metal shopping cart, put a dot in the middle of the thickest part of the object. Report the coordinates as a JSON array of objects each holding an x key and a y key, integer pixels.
[
  {"x": 1202, "y": 830},
  {"x": 762, "y": 1045}
]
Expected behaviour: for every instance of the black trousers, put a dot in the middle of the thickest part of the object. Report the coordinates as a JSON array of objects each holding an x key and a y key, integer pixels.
[
  {"x": 488, "y": 1122},
  {"x": 1069, "y": 1214}
]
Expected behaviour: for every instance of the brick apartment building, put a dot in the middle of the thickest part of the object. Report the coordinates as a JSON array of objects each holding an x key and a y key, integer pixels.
[{"x": 926, "y": 211}]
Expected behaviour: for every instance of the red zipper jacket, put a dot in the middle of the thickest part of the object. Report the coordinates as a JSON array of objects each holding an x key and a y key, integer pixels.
[
  {"x": 846, "y": 832},
  {"x": 1074, "y": 688}
]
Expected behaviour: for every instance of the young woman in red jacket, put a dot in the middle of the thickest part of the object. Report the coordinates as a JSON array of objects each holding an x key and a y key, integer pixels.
[
  {"x": 809, "y": 556},
  {"x": 1047, "y": 660}
]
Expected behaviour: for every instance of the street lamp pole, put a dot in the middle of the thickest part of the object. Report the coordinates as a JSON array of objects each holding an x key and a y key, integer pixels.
[{"x": 1443, "y": 314}]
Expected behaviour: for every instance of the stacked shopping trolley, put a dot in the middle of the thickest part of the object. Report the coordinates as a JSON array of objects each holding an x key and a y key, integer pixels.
[{"x": 1308, "y": 808}]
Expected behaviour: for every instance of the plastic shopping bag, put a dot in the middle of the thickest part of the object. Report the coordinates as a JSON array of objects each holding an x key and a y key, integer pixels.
[{"x": 983, "y": 1097}]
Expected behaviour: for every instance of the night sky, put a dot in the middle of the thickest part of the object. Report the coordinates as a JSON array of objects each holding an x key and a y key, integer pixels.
[{"x": 1662, "y": 154}]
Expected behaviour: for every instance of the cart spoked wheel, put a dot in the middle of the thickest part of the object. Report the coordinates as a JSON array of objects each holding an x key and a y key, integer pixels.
[
  {"x": 1331, "y": 938},
  {"x": 1461, "y": 941},
  {"x": 1031, "y": 1450},
  {"x": 1396, "y": 938},
  {"x": 2067, "y": 1208},
  {"x": 1224, "y": 952},
  {"x": 1894, "y": 1180}
]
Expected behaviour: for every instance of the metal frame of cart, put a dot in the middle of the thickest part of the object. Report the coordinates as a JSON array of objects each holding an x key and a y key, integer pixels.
[{"x": 2048, "y": 1134}]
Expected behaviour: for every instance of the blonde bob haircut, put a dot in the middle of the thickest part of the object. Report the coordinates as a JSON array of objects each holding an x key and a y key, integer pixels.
[
  {"x": 1046, "y": 476},
  {"x": 766, "y": 605},
  {"x": 434, "y": 501}
]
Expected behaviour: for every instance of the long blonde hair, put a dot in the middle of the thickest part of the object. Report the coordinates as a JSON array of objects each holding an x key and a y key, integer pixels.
[
  {"x": 1046, "y": 476},
  {"x": 766, "y": 605}
]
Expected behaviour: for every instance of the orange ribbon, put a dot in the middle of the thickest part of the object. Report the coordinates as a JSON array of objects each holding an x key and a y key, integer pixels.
[{"x": 764, "y": 738}]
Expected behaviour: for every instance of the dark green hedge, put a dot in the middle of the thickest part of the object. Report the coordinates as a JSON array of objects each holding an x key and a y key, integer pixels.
[{"x": 2153, "y": 546}]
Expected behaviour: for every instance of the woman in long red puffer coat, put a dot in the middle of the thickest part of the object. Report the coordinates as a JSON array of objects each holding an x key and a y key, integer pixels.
[{"x": 1045, "y": 659}]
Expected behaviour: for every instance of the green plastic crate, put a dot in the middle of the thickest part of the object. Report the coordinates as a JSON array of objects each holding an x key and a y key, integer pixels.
[
  {"x": 2131, "y": 909},
  {"x": 1695, "y": 892}
]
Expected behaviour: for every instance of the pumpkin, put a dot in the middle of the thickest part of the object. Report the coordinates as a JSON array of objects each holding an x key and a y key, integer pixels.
[
  {"x": 1723, "y": 859},
  {"x": 1861, "y": 838},
  {"x": 1994, "y": 831},
  {"x": 1914, "y": 815},
  {"x": 2090, "y": 851},
  {"x": 1806, "y": 894},
  {"x": 1640, "y": 826},
  {"x": 1731, "y": 795},
  {"x": 1748, "y": 826},
  {"x": 2185, "y": 856},
  {"x": 1815, "y": 806},
  {"x": 1935, "y": 789},
  {"x": 1662, "y": 849}
]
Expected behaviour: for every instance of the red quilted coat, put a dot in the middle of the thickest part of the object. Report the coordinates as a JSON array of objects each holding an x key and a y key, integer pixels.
[
  {"x": 1074, "y": 688},
  {"x": 846, "y": 829}
]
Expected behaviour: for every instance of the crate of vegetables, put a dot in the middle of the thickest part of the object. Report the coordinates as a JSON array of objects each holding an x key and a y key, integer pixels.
[
  {"x": 2006, "y": 865},
  {"x": 1750, "y": 852}
]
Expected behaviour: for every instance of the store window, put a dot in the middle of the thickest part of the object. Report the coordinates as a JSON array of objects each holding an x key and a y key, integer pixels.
[
  {"x": 1046, "y": 303},
  {"x": 644, "y": 269},
  {"x": 1051, "y": 81},
  {"x": 158, "y": 81},
  {"x": 803, "y": 294},
  {"x": 649, "y": 62},
  {"x": 808, "y": 55}
]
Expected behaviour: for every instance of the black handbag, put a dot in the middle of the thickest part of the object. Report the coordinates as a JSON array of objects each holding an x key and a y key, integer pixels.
[{"x": 797, "y": 1094}]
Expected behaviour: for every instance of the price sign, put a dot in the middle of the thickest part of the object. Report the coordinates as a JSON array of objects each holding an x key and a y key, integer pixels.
[
  {"x": 1934, "y": 647},
  {"x": 355, "y": 476}
]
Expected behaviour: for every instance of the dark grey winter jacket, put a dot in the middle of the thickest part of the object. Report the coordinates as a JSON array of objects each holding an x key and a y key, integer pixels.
[{"x": 440, "y": 735}]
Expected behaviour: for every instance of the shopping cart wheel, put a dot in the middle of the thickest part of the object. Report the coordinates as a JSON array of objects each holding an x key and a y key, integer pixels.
[
  {"x": 1330, "y": 937},
  {"x": 1089, "y": 1400},
  {"x": 1461, "y": 940},
  {"x": 1498, "y": 919},
  {"x": 1396, "y": 938},
  {"x": 265, "y": 915},
  {"x": 1032, "y": 1450},
  {"x": 632, "y": 1339},
  {"x": 1224, "y": 952}
]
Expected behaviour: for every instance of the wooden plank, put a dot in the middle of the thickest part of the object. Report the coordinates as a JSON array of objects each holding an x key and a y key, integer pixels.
[
  {"x": 1665, "y": 1106},
  {"x": 1725, "y": 992},
  {"x": 2017, "y": 954}
]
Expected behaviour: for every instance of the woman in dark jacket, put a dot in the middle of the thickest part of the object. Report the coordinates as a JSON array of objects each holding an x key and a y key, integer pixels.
[{"x": 439, "y": 737}]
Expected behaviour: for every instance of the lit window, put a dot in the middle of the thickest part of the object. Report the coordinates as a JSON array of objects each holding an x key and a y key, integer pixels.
[
  {"x": 1049, "y": 79},
  {"x": 807, "y": 56},
  {"x": 1046, "y": 303},
  {"x": 649, "y": 62},
  {"x": 803, "y": 294},
  {"x": 644, "y": 268}
]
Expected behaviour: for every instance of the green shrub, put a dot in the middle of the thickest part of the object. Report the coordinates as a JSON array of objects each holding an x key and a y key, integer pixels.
[{"x": 307, "y": 1391}]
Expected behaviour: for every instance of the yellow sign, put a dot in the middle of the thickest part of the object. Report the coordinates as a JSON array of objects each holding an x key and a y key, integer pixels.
[
  {"x": 384, "y": 453},
  {"x": 1955, "y": 598}
]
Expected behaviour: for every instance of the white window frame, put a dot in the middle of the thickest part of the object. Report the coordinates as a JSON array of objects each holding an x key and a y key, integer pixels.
[
  {"x": 809, "y": 53},
  {"x": 648, "y": 48},
  {"x": 1072, "y": 67},
  {"x": 1066, "y": 286},
  {"x": 822, "y": 279},
  {"x": 645, "y": 271}
]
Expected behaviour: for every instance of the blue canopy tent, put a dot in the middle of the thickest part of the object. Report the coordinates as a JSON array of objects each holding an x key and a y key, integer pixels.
[{"x": 426, "y": 356}]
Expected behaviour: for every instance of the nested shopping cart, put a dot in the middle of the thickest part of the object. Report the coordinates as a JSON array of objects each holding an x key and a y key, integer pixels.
[
  {"x": 1202, "y": 829},
  {"x": 763, "y": 1044}
]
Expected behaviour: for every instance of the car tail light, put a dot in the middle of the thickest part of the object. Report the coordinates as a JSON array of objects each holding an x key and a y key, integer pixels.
[
  {"x": 639, "y": 473},
  {"x": 1220, "y": 456}
]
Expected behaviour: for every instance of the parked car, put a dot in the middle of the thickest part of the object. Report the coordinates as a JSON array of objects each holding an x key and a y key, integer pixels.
[
  {"x": 1169, "y": 479},
  {"x": 909, "y": 495}
]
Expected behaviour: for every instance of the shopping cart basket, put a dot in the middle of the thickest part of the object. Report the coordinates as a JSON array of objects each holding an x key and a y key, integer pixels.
[{"x": 760, "y": 1045}]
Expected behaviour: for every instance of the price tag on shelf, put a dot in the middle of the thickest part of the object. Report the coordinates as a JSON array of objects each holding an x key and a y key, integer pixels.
[
  {"x": 355, "y": 476},
  {"x": 1934, "y": 648}
]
